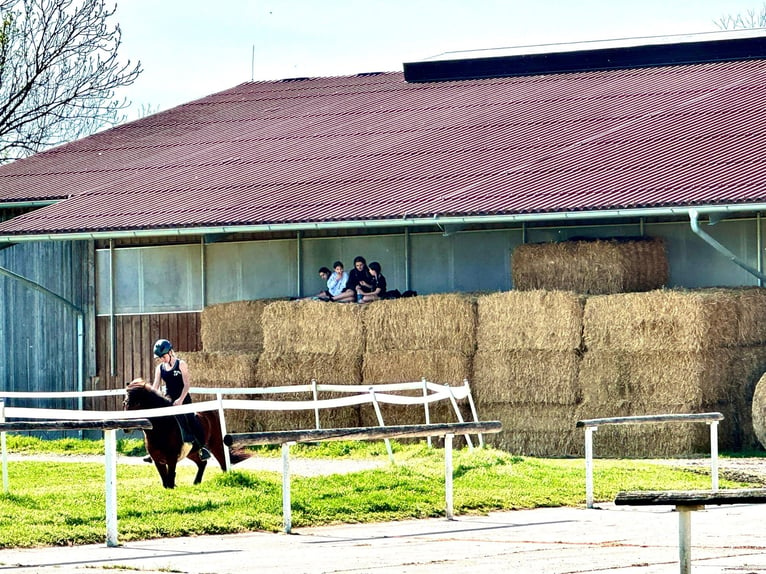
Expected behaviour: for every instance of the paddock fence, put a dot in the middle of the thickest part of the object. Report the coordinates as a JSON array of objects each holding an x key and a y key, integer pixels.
[{"x": 591, "y": 426}]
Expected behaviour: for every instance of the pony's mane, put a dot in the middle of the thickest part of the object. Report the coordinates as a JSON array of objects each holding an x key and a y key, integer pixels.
[{"x": 140, "y": 392}]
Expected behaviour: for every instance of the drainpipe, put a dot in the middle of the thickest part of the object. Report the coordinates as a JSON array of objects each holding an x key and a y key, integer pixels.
[
  {"x": 80, "y": 323},
  {"x": 694, "y": 220}
]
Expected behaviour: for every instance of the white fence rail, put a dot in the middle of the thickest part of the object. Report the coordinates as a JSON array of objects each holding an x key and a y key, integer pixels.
[{"x": 591, "y": 426}]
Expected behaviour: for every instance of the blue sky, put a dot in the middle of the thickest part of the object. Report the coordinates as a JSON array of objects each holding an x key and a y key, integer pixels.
[{"x": 193, "y": 48}]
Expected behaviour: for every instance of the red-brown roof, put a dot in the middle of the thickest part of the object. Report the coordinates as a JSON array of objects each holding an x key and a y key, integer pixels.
[{"x": 374, "y": 147}]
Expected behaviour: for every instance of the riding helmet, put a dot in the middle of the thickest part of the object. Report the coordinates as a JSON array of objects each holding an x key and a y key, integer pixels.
[{"x": 162, "y": 347}]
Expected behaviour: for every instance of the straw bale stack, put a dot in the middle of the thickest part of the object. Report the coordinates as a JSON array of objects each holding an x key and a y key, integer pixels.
[
  {"x": 433, "y": 365},
  {"x": 675, "y": 320},
  {"x": 534, "y": 430},
  {"x": 305, "y": 341},
  {"x": 527, "y": 377},
  {"x": 312, "y": 327},
  {"x": 219, "y": 369},
  {"x": 433, "y": 322},
  {"x": 542, "y": 320},
  {"x": 234, "y": 326},
  {"x": 431, "y": 337},
  {"x": 290, "y": 368},
  {"x": 591, "y": 266},
  {"x": 656, "y": 379}
]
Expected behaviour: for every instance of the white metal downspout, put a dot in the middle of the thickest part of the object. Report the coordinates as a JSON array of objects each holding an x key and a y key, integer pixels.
[{"x": 694, "y": 220}]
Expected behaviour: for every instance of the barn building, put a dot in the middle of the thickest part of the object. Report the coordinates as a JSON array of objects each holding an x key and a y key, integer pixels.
[{"x": 439, "y": 173}]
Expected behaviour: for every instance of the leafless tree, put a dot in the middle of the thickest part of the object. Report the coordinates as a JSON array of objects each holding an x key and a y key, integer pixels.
[
  {"x": 750, "y": 19},
  {"x": 59, "y": 70}
]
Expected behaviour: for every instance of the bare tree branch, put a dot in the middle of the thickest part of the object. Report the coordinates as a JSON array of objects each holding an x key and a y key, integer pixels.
[
  {"x": 750, "y": 19},
  {"x": 59, "y": 70}
]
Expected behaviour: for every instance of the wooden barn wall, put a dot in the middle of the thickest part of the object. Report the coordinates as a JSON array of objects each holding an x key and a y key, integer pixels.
[
  {"x": 38, "y": 334},
  {"x": 135, "y": 336}
]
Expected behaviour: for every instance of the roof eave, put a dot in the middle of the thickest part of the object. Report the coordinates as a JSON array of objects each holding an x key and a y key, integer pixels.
[{"x": 388, "y": 223}]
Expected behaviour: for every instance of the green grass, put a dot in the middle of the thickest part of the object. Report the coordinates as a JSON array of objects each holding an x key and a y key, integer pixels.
[{"x": 63, "y": 503}]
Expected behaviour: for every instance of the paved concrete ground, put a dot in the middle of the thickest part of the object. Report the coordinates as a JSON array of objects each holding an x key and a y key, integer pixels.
[{"x": 624, "y": 540}]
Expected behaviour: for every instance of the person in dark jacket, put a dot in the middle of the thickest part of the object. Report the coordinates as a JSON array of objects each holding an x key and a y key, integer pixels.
[
  {"x": 377, "y": 284},
  {"x": 359, "y": 278}
]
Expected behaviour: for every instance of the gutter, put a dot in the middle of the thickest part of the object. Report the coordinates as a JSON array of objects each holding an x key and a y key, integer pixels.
[
  {"x": 23, "y": 204},
  {"x": 385, "y": 223},
  {"x": 694, "y": 221}
]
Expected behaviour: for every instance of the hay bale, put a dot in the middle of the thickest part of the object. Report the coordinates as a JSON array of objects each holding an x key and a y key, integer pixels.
[
  {"x": 665, "y": 320},
  {"x": 591, "y": 266},
  {"x": 758, "y": 411},
  {"x": 527, "y": 377},
  {"x": 541, "y": 320},
  {"x": 533, "y": 430},
  {"x": 405, "y": 366},
  {"x": 433, "y": 322},
  {"x": 751, "y": 315},
  {"x": 313, "y": 327},
  {"x": 219, "y": 369},
  {"x": 232, "y": 327},
  {"x": 654, "y": 379},
  {"x": 276, "y": 369},
  {"x": 241, "y": 420}
]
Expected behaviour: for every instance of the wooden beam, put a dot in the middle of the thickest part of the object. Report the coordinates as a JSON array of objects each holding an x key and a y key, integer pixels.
[
  {"x": 360, "y": 433},
  {"x": 127, "y": 424},
  {"x": 672, "y": 418},
  {"x": 691, "y": 497}
]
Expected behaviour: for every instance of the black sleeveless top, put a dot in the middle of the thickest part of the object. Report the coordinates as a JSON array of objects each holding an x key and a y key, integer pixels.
[{"x": 174, "y": 382}]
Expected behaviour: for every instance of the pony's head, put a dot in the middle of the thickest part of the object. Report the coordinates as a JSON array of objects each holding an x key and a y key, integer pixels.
[{"x": 141, "y": 395}]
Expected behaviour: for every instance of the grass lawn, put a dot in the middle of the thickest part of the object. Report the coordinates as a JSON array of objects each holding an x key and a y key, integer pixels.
[{"x": 54, "y": 503}]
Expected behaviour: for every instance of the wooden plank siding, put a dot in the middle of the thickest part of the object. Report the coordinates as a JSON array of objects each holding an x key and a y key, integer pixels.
[
  {"x": 38, "y": 334},
  {"x": 135, "y": 336}
]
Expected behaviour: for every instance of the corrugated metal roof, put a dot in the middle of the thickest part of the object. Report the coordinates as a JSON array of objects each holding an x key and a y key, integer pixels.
[{"x": 373, "y": 147}]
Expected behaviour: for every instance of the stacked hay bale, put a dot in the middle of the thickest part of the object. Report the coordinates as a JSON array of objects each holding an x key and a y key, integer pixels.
[
  {"x": 232, "y": 343},
  {"x": 600, "y": 266},
  {"x": 305, "y": 340},
  {"x": 431, "y": 337},
  {"x": 672, "y": 351},
  {"x": 526, "y": 369}
]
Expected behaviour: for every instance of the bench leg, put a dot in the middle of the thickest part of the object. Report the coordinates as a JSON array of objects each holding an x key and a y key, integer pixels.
[{"x": 685, "y": 536}]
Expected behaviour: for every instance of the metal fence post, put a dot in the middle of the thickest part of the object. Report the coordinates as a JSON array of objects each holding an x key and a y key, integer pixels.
[
  {"x": 589, "y": 466},
  {"x": 4, "y": 448},
  {"x": 714, "y": 454}
]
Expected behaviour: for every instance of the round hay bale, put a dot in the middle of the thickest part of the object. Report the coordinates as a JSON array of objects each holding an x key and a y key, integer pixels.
[
  {"x": 445, "y": 322},
  {"x": 759, "y": 410},
  {"x": 538, "y": 320}
]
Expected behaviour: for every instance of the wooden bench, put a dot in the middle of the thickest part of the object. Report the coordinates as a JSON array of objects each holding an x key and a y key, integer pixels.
[
  {"x": 286, "y": 438},
  {"x": 687, "y": 502}
]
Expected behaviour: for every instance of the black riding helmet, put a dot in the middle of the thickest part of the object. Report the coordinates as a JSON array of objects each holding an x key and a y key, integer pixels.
[{"x": 162, "y": 347}]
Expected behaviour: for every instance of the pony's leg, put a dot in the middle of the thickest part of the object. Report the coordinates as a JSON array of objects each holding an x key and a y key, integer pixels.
[
  {"x": 201, "y": 465},
  {"x": 171, "y": 483},
  {"x": 168, "y": 481}
]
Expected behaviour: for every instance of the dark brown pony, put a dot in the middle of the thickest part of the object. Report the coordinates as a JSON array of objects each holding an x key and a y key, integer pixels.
[{"x": 164, "y": 441}]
